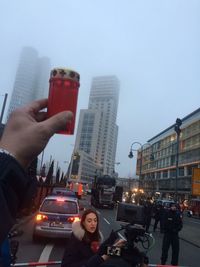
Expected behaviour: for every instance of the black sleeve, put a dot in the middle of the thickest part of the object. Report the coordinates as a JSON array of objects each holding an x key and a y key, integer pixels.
[
  {"x": 13, "y": 187},
  {"x": 179, "y": 223},
  {"x": 94, "y": 261},
  {"x": 165, "y": 222},
  {"x": 74, "y": 254}
]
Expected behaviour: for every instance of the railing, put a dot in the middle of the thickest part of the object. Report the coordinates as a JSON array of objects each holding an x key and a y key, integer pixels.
[{"x": 59, "y": 262}]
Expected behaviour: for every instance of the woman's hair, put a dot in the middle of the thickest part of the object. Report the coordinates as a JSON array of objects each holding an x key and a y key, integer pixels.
[{"x": 89, "y": 237}]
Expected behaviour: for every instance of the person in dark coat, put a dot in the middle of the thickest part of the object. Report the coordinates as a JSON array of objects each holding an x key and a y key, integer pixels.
[
  {"x": 158, "y": 217},
  {"x": 172, "y": 224},
  {"x": 147, "y": 214},
  {"x": 83, "y": 248},
  {"x": 84, "y": 242}
]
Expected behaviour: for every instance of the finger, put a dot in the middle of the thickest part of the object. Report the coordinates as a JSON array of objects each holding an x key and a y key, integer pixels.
[
  {"x": 58, "y": 122},
  {"x": 36, "y": 106},
  {"x": 41, "y": 116}
]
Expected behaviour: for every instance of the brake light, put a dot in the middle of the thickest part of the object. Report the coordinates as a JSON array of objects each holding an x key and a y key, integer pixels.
[
  {"x": 60, "y": 199},
  {"x": 41, "y": 217},
  {"x": 73, "y": 219}
]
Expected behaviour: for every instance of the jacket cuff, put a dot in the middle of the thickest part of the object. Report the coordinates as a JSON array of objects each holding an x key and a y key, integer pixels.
[{"x": 13, "y": 176}]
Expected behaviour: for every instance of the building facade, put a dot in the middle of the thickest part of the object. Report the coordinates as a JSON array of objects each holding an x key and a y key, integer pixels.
[
  {"x": 31, "y": 81},
  {"x": 97, "y": 130},
  {"x": 83, "y": 168},
  {"x": 160, "y": 168}
]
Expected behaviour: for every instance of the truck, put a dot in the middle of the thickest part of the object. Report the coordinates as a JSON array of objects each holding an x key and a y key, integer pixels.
[
  {"x": 118, "y": 195},
  {"x": 103, "y": 190}
]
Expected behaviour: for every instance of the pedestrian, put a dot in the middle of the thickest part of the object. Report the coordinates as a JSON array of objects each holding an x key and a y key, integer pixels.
[
  {"x": 172, "y": 224},
  {"x": 147, "y": 214},
  {"x": 157, "y": 216},
  {"x": 84, "y": 241},
  {"x": 26, "y": 134}
]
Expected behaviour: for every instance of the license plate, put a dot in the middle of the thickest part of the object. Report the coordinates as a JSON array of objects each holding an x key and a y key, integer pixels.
[{"x": 56, "y": 224}]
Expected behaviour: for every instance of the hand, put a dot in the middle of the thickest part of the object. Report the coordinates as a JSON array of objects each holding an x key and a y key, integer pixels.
[
  {"x": 120, "y": 243},
  {"x": 108, "y": 242},
  {"x": 28, "y": 131}
]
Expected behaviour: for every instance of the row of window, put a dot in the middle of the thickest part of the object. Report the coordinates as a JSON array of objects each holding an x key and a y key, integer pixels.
[
  {"x": 190, "y": 130},
  {"x": 186, "y": 157},
  {"x": 171, "y": 173}
]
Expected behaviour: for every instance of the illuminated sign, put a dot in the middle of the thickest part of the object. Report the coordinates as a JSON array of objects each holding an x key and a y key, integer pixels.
[{"x": 196, "y": 182}]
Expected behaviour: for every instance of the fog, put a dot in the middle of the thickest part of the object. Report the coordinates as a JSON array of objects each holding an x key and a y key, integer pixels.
[{"x": 152, "y": 47}]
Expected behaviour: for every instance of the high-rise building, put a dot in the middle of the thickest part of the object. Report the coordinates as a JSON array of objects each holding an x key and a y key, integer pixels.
[
  {"x": 97, "y": 130},
  {"x": 31, "y": 81}
]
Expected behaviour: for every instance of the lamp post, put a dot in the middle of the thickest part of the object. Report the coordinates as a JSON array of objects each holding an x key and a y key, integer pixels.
[
  {"x": 178, "y": 132},
  {"x": 141, "y": 156},
  {"x": 41, "y": 164},
  {"x": 3, "y": 107},
  {"x": 131, "y": 156}
]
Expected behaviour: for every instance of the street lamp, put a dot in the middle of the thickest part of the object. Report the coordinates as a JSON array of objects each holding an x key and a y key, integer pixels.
[
  {"x": 178, "y": 132},
  {"x": 141, "y": 156},
  {"x": 131, "y": 156}
]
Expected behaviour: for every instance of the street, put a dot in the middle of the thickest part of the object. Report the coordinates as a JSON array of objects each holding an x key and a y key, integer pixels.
[{"x": 51, "y": 250}]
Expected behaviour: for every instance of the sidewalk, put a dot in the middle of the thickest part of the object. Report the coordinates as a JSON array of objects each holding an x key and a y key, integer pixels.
[{"x": 190, "y": 234}]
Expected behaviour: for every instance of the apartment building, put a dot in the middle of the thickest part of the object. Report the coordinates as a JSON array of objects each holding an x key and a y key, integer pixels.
[{"x": 159, "y": 159}]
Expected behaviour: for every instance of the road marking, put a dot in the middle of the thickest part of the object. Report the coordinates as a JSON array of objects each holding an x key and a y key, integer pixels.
[
  {"x": 122, "y": 237},
  {"x": 106, "y": 221},
  {"x": 98, "y": 212},
  {"x": 194, "y": 222},
  {"x": 44, "y": 257}
]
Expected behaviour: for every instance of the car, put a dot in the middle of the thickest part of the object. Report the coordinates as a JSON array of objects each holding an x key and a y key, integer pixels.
[
  {"x": 55, "y": 217},
  {"x": 63, "y": 191},
  {"x": 165, "y": 202}
]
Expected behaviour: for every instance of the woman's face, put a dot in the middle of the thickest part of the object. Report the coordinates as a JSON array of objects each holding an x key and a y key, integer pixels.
[{"x": 90, "y": 222}]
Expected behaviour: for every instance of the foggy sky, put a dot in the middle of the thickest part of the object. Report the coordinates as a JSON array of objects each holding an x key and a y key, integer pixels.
[{"x": 152, "y": 47}]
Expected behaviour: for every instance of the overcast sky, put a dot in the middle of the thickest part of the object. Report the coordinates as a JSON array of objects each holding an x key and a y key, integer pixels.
[{"x": 152, "y": 46}]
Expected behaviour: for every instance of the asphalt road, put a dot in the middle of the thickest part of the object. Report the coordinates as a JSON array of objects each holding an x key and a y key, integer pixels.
[{"x": 53, "y": 250}]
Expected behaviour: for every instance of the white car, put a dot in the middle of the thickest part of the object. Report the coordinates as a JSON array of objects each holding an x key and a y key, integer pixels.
[{"x": 55, "y": 217}]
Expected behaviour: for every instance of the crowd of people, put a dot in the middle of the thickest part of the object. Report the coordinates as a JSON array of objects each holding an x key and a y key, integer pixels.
[{"x": 26, "y": 134}]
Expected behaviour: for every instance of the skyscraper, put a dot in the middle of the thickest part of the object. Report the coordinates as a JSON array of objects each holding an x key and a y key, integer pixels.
[
  {"x": 31, "y": 81},
  {"x": 97, "y": 130}
]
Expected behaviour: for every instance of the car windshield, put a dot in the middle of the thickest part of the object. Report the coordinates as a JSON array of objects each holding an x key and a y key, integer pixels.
[
  {"x": 63, "y": 192},
  {"x": 56, "y": 206},
  {"x": 106, "y": 180}
]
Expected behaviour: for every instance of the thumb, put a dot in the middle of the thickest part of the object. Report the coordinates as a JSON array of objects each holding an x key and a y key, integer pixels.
[{"x": 58, "y": 122}]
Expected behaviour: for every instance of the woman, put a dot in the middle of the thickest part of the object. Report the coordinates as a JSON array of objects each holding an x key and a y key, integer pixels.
[{"x": 84, "y": 241}]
